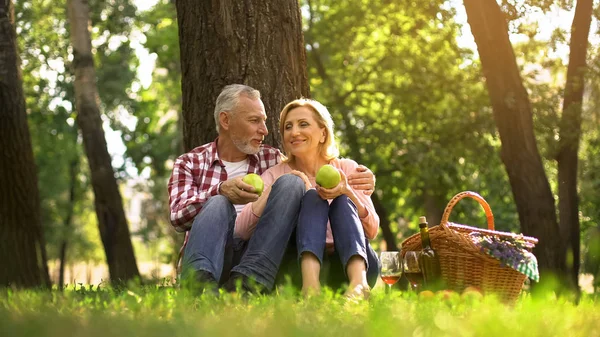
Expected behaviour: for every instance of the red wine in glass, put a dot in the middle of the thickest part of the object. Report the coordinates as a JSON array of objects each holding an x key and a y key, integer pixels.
[
  {"x": 390, "y": 280},
  {"x": 412, "y": 269},
  {"x": 415, "y": 279},
  {"x": 391, "y": 268}
]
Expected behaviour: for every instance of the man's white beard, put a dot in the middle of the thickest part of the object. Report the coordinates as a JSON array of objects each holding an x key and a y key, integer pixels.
[{"x": 244, "y": 147}]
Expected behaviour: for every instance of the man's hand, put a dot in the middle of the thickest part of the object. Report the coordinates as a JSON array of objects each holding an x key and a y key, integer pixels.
[
  {"x": 237, "y": 191},
  {"x": 362, "y": 180}
]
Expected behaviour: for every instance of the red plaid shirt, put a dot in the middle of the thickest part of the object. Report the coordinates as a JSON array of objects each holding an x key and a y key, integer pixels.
[{"x": 197, "y": 176}]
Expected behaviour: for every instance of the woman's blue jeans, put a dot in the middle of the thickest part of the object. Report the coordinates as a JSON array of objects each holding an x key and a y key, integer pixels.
[{"x": 348, "y": 234}]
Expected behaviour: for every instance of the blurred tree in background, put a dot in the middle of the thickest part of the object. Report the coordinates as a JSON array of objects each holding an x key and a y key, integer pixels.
[
  {"x": 558, "y": 250},
  {"x": 112, "y": 223}
]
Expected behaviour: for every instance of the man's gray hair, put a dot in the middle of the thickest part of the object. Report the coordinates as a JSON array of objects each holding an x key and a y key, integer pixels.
[{"x": 229, "y": 98}]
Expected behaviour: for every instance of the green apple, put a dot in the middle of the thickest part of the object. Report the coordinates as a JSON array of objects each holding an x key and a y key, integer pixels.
[
  {"x": 328, "y": 176},
  {"x": 256, "y": 181}
]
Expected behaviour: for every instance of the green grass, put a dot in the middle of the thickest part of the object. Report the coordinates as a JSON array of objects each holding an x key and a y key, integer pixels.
[{"x": 164, "y": 311}]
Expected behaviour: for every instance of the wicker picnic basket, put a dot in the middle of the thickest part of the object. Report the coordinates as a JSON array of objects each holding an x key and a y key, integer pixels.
[{"x": 462, "y": 262}]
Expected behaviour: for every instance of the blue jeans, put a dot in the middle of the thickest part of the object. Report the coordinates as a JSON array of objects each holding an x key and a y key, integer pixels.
[
  {"x": 348, "y": 233},
  {"x": 268, "y": 244},
  {"x": 210, "y": 245}
]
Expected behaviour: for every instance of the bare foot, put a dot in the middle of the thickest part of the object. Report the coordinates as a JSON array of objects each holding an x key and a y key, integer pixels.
[
  {"x": 358, "y": 292},
  {"x": 308, "y": 292}
]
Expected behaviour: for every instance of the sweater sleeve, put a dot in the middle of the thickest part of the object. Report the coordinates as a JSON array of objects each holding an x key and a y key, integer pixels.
[
  {"x": 370, "y": 222},
  {"x": 246, "y": 221}
]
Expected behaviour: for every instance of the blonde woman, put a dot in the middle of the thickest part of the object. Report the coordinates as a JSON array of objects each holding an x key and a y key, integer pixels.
[{"x": 334, "y": 225}]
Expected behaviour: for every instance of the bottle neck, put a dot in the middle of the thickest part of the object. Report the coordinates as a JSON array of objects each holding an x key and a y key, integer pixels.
[{"x": 425, "y": 242}]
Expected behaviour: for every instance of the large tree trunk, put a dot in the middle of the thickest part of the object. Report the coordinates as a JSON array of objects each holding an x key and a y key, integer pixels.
[
  {"x": 254, "y": 42},
  {"x": 570, "y": 134},
  {"x": 107, "y": 198},
  {"x": 513, "y": 116},
  {"x": 22, "y": 249}
]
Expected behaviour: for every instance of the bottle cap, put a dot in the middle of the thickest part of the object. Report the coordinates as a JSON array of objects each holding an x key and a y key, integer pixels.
[{"x": 422, "y": 222}]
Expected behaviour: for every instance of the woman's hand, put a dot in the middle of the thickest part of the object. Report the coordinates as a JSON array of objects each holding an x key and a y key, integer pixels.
[
  {"x": 334, "y": 192},
  {"x": 343, "y": 188},
  {"x": 303, "y": 176}
]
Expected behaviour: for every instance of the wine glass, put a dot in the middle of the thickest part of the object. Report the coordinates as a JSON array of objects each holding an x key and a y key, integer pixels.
[
  {"x": 412, "y": 269},
  {"x": 391, "y": 268}
]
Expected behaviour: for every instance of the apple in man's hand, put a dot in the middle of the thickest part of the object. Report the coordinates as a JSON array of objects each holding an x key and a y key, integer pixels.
[{"x": 256, "y": 181}]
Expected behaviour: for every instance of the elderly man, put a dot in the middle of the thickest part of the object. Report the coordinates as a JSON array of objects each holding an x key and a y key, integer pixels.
[{"x": 207, "y": 192}]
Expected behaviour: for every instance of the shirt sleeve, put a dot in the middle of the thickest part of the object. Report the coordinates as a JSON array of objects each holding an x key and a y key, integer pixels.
[
  {"x": 246, "y": 221},
  {"x": 186, "y": 198},
  {"x": 370, "y": 222}
]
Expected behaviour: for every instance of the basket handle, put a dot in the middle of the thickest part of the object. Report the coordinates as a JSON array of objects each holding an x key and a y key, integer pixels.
[{"x": 472, "y": 195}]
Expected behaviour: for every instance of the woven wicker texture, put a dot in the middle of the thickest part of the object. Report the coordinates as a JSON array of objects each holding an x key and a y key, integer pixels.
[{"x": 462, "y": 262}]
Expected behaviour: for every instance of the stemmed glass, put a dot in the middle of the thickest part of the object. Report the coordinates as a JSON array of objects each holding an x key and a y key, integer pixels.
[
  {"x": 412, "y": 269},
  {"x": 391, "y": 268}
]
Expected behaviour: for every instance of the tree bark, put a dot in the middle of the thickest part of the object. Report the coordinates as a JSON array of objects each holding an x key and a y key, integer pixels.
[
  {"x": 434, "y": 206},
  {"x": 22, "y": 249},
  {"x": 570, "y": 135},
  {"x": 68, "y": 223},
  {"x": 112, "y": 223},
  {"x": 513, "y": 117},
  {"x": 254, "y": 42},
  {"x": 384, "y": 223}
]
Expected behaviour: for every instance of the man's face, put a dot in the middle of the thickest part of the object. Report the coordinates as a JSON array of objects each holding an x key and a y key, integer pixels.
[{"x": 247, "y": 125}]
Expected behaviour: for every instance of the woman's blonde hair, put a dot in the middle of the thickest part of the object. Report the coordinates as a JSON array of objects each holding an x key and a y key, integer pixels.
[{"x": 328, "y": 149}]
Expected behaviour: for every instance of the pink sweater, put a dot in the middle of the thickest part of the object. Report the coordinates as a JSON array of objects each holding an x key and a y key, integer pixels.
[{"x": 246, "y": 220}]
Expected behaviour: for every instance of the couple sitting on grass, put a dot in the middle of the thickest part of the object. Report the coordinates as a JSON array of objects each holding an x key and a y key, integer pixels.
[{"x": 236, "y": 239}]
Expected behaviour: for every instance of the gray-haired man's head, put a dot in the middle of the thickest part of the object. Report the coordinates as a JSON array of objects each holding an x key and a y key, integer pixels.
[{"x": 229, "y": 98}]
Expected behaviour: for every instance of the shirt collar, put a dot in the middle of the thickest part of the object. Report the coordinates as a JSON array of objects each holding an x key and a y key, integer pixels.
[{"x": 215, "y": 154}]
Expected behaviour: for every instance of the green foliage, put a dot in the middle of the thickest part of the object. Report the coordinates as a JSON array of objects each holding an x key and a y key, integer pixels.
[
  {"x": 590, "y": 148},
  {"x": 112, "y": 16},
  {"x": 410, "y": 104},
  {"x": 164, "y": 311},
  {"x": 156, "y": 140},
  {"x": 160, "y": 104},
  {"x": 590, "y": 206},
  {"x": 517, "y": 9}
]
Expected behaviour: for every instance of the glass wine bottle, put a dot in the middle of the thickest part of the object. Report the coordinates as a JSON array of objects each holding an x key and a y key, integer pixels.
[{"x": 430, "y": 260}]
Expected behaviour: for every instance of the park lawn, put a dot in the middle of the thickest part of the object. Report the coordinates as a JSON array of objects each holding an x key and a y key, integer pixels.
[{"x": 164, "y": 311}]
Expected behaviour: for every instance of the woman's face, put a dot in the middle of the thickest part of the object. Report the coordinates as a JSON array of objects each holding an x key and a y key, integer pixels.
[{"x": 302, "y": 134}]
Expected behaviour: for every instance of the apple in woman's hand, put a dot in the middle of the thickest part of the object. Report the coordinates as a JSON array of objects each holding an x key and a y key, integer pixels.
[{"x": 328, "y": 176}]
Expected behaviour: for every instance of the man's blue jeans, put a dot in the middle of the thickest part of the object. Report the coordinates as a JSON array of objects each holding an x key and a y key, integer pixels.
[
  {"x": 268, "y": 244},
  {"x": 348, "y": 234},
  {"x": 212, "y": 247}
]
